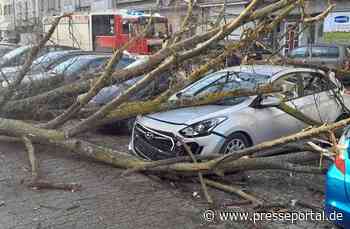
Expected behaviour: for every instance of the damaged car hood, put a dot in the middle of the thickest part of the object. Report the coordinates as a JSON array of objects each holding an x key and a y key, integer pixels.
[{"x": 190, "y": 115}]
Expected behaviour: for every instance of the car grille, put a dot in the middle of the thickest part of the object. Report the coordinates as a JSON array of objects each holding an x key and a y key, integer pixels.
[{"x": 158, "y": 145}]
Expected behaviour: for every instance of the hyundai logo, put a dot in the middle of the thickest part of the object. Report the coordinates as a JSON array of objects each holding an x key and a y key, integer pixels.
[{"x": 149, "y": 135}]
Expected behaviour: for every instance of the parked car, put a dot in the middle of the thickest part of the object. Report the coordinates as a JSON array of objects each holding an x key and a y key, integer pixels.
[
  {"x": 6, "y": 47},
  {"x": 19, "y": 55},
  {"x": 329, "y": 55},
  {"x": 65, "y": 72},
  {"x": 42, "y": 64},
  {"x": 107, "y": 94},
  {"x": 75, "y": 67},
  {"x": 337, "y": 202},
  {"x": 236, "y": 123}
]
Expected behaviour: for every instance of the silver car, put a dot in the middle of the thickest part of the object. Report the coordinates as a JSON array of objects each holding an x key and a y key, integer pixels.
[{"x": 240, "y": 122}]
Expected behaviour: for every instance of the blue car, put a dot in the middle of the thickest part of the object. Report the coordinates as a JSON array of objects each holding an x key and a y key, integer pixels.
[{"x": 337, "y": 202}]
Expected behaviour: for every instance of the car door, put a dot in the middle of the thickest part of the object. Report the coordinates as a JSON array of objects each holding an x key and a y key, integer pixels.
[
  {"x": 325, "y": 55},
  {"x": 273, "y": 121},
  {"x": 318, "y": 99}
]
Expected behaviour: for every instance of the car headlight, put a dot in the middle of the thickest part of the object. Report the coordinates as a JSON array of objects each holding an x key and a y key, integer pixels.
[{"x": 202, "y": 128}]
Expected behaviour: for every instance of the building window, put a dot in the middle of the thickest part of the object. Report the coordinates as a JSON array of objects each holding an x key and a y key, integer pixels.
[
  {"x": 83, "y": 8},
  {"x": 26, "y": 11},
  {"x": 84, "y": 5},
  {"x": 7, "y": 10}
]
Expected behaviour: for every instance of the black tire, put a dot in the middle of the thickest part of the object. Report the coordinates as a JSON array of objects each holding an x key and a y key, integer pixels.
[{"x": 239, "y": 137}]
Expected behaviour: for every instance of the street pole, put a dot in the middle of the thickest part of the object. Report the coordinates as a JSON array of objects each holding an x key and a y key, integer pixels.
[{"x": 14, "y": 13}]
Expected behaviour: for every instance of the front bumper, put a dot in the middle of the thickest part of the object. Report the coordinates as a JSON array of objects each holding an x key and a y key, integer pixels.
[{"x": 154, "y": 144}]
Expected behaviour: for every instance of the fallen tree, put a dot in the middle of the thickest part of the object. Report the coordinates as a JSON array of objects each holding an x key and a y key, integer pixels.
[{"x": 178, "y": 50}]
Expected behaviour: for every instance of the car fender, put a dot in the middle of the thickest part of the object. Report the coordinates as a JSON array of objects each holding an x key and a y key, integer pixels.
[{"x": 246, "y": 124}]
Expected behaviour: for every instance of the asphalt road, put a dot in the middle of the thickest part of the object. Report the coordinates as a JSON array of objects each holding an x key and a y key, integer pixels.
[{"x": 107, "y": 200}]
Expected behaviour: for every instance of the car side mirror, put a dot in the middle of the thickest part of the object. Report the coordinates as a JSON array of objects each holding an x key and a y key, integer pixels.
[
  {"x": 178, "y": 95},
  {"x": 270, "y": 101}
]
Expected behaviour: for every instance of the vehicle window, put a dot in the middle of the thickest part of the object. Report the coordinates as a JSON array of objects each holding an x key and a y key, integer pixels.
[
  {"x": 224, "y": 81},
  {"x": 230, "y": 81},
  {"x": 104, "y": 25},
  {"x": 95, "y": 64},
  {"x": 314, "y": 83},
  {"x": 290, "y": 85},
  {"x": 126, "y": 27},
  {"x": 158, "y": 28},
  {"x": 224, "y": 84},
  {"x": 16, "y": 52},
  {"x": 325, "y": 52},
  {"x": 123, "y": 63},
  {"x": 71, "y": 66},
  {"x": 44, "y": 61},
  {"x": 196, "y": 86},
  {"x": 299, "y": 53}
]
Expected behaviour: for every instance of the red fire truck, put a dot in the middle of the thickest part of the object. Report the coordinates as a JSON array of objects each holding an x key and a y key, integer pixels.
[{"x": 107, "y": 31}]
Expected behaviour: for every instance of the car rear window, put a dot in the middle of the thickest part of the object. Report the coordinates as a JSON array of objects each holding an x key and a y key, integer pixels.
[{"x": 325, "y": 52}]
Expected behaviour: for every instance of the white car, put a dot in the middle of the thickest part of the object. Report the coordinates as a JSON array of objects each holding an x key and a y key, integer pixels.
[{"x": 240, "y": 122}]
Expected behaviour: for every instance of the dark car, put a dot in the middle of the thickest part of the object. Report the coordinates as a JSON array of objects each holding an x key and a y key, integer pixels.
[
  {"x": 66, "y": 72},
  {"x": 42, "y": 64},
  {"x": 73, "y": 68},
  {"x": 329, "y": 55},
  {"x": 6, "y": 48},
  {"x": 107, "y": 94},
  {"x": 19, "y": 55}
]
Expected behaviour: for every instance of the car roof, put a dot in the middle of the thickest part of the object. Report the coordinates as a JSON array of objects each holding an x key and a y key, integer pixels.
[
  {"x": 324, "y": 45},
  {"x": 65, "y": 52},
  {"x": 90, "y": 56},
  {"x": 267, "y": 69}
]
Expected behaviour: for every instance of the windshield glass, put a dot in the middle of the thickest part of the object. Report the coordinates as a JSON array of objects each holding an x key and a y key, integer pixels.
[
  {"x": 225, "y": 82},
  {"x": 158, "y": 29},
  {"x": 71, "y": 66},
  {"x": 16, "y": 52},
  {"x": 43, "y": 62}
]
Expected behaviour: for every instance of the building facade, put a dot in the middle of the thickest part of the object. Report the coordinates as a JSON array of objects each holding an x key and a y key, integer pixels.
[
  {"x": 7, "y": 20},
  {"x": 291, "y": 34},
  {"x": 205, "y": 11},
  {"x": 25, "y": 16},
  {"x": 86, "y": 5}
]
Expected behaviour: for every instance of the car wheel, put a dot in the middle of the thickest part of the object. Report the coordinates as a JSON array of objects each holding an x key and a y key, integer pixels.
[{"x": 236, "y": 141}]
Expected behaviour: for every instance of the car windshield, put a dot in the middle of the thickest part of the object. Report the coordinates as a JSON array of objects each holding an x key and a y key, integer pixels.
[
  {"x": 16, "y": 52},
  {"x": 225, "y": 82},
  {"x": 44, "y": 61},
  {"x": 72, "y": 65}
]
